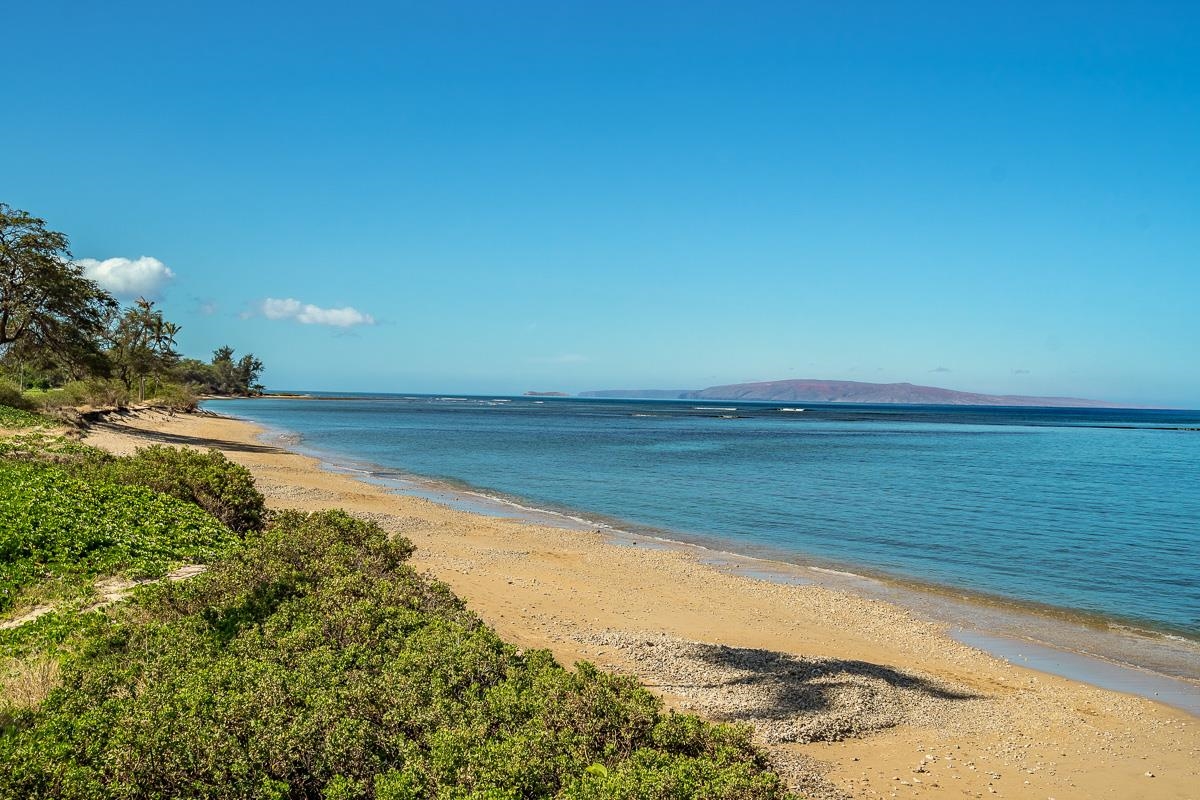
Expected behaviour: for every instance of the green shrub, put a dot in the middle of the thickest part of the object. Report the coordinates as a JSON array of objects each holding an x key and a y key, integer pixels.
[
  {"x": 209, "y": 480},
  {"x": 60, "y": 531},
  {"x": 314, "y": 663},
  {"x": 655, "y": 775},
  {"x": 176, "y": 396},
  {"x": 102, "y": 393},
  {"x": 13, "y": 397},
  {"x": 95, "y": 392}
]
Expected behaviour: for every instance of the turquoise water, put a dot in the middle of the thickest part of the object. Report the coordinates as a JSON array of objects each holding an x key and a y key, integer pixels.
[{"x": 1089, "y": 511}]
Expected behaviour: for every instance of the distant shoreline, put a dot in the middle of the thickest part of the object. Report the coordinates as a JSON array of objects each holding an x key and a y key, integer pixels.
[
  {"x": 808, "y": 390},
  {"x": 618, "y": 395}
]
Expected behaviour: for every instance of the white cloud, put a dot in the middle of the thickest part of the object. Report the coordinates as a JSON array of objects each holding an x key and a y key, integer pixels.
[
  {"x": 280, "y": 309},
  {"x": 308, "y": 314},
  {"x": 124, "y": 277}
]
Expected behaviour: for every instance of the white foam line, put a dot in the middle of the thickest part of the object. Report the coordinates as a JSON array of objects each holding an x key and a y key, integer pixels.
[{"x": 843, "y": 573}]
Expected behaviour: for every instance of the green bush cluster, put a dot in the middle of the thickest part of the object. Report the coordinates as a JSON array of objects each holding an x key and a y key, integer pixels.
[
  {"x": 60, "y": 530},
  {"x": 12, "y": 397},
  {"x": 103, "y": 393},
  {"x": 207, "y": 479},
  {"x": 314, "y": 663},
  {"x": 210, "y": 480},
  {"x": 95, "y": 392}
]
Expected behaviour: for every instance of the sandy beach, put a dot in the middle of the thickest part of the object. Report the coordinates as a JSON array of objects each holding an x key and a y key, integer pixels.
[{"x": 855, "y": 697}]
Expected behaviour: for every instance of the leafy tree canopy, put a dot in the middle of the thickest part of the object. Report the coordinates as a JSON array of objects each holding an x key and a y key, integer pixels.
[
  {"x": 45, "y": 300},
  {"x": 236, "y": 377},
  {"x": 141, "y": 342}
]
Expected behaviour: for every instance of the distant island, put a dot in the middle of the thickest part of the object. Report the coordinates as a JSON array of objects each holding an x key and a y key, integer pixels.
[
  {"x": 546, "y": 394},
  {"x": 819, "y": 391}
]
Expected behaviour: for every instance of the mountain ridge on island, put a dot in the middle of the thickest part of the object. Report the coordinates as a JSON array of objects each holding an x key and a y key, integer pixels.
[{"x": 823, "y": 391}]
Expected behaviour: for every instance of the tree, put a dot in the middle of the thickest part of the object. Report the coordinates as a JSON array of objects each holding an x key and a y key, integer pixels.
[
  {"x": 225, "y": 369},
  {"x": 236, "y": 377},
  {"x": 46, "y": 303},
  {"x": 197, "y": 374},
  {"x": 248, "y": 370},
  {"x": 142, "y": 344}
]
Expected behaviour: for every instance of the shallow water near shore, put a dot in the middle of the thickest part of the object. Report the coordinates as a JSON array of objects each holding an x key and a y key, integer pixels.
[{"x": 1113, "y": 488}]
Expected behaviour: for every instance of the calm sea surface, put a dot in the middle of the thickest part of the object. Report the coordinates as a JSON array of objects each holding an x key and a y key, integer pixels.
[{"x": 1092, "y": 511}]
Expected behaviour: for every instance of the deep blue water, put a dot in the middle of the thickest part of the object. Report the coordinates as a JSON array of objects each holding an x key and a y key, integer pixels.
[{"x": 1095, "y": 511}]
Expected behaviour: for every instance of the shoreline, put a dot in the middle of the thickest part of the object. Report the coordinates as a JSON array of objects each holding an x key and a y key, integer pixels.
[
  {"x": 1069, "y": 558},
  {"x": 582, "y": 596},
  {"x": 1107, "y": 652}
]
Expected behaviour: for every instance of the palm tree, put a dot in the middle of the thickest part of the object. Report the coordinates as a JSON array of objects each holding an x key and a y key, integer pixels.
[{"x": 142, "y": 343}]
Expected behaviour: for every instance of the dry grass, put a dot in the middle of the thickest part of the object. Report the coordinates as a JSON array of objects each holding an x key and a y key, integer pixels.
[{"x": 25, "y": 682}]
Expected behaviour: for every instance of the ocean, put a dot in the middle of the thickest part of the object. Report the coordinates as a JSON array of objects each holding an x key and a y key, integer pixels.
[{"x": 1093, "y": 513}]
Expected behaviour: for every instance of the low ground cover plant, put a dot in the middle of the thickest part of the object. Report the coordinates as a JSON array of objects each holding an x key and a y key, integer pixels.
[
  {"x": 61, "y": 531},
  {"x": 206, "y": 479},
  {"x": 313, "y": 662},
  {"x": 12, "y": 417},
  {"x": 50, "y": 449}
]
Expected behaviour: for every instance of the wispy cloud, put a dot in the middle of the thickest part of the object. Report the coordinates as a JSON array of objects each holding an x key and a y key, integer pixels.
[
  {"x": 127, "y": 278},
  {"x": 309, "y": 314}
]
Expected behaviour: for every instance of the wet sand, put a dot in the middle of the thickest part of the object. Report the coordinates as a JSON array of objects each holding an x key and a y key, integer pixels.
[{"x": 855, "y": 696}]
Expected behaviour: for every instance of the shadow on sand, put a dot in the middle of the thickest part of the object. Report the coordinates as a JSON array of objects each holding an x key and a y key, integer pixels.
[
  {"x": 179, "y": 439},
  {"x": 760, "y": 686}
]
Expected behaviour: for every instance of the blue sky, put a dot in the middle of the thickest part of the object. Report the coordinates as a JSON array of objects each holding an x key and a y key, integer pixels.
[{"x": 497, "y": 197}]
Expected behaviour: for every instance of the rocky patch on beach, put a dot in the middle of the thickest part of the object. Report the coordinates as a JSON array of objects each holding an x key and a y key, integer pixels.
[{"x": 786, "y": 698}]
